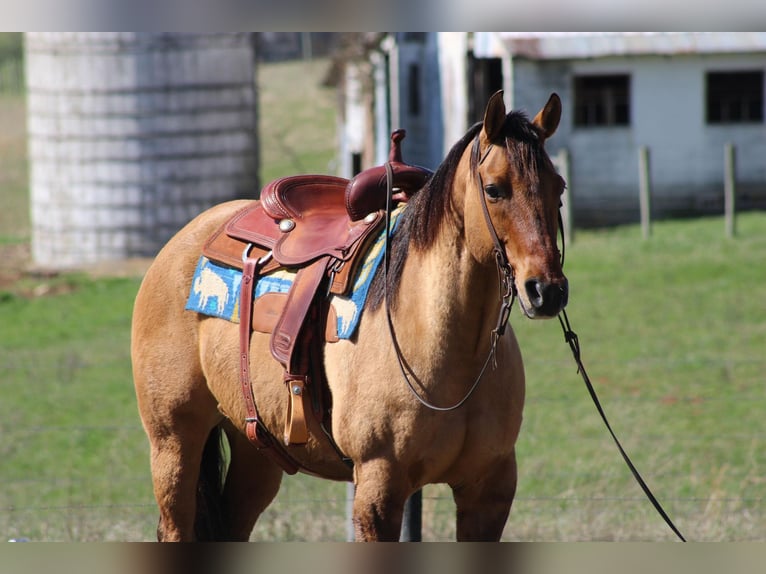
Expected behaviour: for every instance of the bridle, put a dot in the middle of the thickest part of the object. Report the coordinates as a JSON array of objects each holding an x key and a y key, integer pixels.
[
  {"x": 505, "y": 272},
  {"x": 505, "y": 269}
]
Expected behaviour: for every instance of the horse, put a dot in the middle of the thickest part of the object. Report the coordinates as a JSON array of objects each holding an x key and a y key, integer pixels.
[{"x": 430, "y": 390}]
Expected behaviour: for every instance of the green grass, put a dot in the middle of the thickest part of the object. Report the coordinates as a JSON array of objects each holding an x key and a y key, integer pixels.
[
  {"x": 672, "y": 332},
  {"x": 11, "y": 45},
  {"x": 14, "y": 189},
  {"x": 74, "y": 457},
  {"x": 297, "y": 115},
  {"x": 69, "y": 432}
]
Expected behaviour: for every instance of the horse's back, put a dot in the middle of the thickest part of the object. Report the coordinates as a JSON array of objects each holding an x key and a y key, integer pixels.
[{"x": 175, "y": 263}]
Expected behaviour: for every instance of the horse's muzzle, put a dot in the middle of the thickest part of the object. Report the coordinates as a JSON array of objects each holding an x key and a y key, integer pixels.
[{"x": 545, "y": 299}]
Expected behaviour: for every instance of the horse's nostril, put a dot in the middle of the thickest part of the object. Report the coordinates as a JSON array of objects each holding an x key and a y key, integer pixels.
[
  {"x": 535, "y": 291},
  {"x": 548, "y": 298}
]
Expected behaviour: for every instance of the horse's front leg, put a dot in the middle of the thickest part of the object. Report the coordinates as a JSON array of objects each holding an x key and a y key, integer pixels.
[
  {"x": 484, "y": 502},
  {"x": 378, "y": 502}
]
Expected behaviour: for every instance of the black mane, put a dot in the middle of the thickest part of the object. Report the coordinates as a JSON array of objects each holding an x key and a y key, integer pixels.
[{"x": 420, "y": 223}]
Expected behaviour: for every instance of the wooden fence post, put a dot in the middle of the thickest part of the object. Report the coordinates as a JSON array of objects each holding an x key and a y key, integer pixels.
[
  {"x": 730, "y": 189},
  {"x": 644, "y": 191}
]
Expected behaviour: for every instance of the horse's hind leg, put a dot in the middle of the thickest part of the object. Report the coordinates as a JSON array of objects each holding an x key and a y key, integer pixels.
[
  {"x": 175, "y": 464},
  {"x": 176, "y": 457},
  {"x": 483, "y": 504},
  {"x": 251, "y": 484},
  {"x": 178, "y": 413}
]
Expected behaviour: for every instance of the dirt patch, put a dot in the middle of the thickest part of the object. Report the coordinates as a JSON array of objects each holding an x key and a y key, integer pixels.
[
  {"x": 131, "y": 267},
  {"x": 14, "y": 260},
  {"x": 19, "y": 277},
  {"x": 13, "y": 118}
]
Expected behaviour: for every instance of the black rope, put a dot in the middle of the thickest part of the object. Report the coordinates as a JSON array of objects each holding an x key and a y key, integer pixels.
[{"x": 574, "y": 344}]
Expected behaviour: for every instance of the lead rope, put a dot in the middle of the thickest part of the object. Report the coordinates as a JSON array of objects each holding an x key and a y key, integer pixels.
[{"x": 570, "y": 337}]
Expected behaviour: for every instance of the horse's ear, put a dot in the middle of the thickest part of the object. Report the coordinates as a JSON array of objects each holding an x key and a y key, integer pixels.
[
  {"x": 548, "y": 118},
  {"x": 494, "y": 116}
]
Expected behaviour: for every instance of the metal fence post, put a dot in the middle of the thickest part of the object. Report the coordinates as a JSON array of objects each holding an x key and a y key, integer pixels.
[
  {"x": 350, "y": 512},
  {"x": 412, "y": 522}
]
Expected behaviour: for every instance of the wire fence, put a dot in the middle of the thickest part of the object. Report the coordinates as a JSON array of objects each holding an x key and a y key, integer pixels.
[
  {"x": 533, "y": 518},
  {"x": 734, "y": 193},
  {"x": 65, "y": 504}
]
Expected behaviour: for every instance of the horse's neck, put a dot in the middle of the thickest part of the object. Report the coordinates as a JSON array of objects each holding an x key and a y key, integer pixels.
[{"x": 448, "y": 297}]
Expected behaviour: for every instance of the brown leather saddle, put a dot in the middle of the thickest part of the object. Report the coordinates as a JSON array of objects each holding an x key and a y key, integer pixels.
[{"x": 318, "y": 226}]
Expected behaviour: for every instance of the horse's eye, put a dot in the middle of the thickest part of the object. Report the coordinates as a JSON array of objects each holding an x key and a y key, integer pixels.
[{"x": 494, "y": 192}]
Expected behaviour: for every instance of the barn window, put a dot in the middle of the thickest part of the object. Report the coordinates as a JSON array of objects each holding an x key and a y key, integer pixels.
[
  {"x": 415, "y": 37},
  {"x": 413, "y": 84},
  {"x": 485, "y": 77},
  {"x": 602, "y": 100},
  {"x": 734, "y": 97}
]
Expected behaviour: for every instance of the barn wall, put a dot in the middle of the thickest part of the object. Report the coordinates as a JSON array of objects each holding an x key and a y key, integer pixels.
[
  {"x": 668, "y": 116},
  {"x": 423, "y": 120}
]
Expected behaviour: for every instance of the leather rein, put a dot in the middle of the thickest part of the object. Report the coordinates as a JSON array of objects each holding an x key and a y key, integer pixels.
[
  {"x": 505, "y": 276},
  {"x": 508, "y": 295}
]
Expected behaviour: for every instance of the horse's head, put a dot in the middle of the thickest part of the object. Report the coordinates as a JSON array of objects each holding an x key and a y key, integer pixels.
[{"x": 514, "y": 193}]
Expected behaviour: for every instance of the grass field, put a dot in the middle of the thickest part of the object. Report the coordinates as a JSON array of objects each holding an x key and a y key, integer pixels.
[
  {"x": 673, "y": 332},
  {"x": 297, "y": 115}
]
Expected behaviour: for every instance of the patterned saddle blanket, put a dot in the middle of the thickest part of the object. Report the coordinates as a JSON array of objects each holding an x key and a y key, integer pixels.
[{"x": 215, "y": 288}]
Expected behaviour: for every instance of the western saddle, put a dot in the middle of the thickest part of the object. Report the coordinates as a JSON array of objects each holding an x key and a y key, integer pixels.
[{"x": 319, "y": 226}]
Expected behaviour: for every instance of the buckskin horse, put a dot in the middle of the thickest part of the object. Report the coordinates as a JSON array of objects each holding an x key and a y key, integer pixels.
[{"x": 430, "y": 389}]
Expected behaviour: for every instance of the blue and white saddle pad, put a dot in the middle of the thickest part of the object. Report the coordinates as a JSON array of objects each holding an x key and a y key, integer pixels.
[{"x": 215, "y": 289}]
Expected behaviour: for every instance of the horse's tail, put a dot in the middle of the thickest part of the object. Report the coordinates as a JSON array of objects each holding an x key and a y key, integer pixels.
[{"x": 209, "y": 523}]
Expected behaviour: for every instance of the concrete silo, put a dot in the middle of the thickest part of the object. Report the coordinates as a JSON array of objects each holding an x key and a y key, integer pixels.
[{"x": 133, "y": 134}]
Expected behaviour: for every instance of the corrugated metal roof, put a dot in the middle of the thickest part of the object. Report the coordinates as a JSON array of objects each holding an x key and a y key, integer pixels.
[{"x": 567, "y": 45}]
